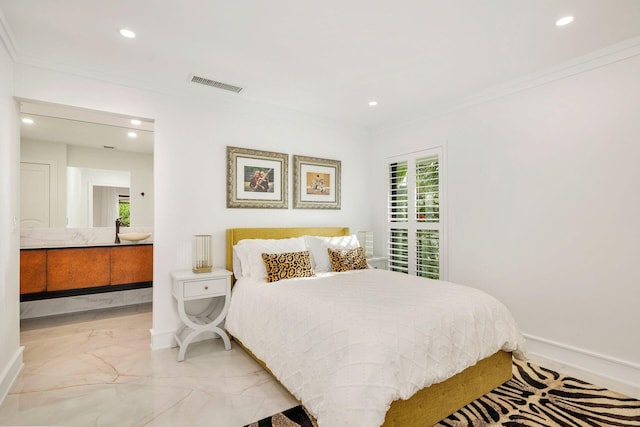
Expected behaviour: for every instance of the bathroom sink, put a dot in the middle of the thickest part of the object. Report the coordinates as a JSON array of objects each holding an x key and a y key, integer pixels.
[{"x": 134, "y": 237}]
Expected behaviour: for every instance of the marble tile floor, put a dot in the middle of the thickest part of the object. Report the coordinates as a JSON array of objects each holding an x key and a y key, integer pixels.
[
  {"x": 96, "y": 368},
  {"x": 79, "y": 303}
]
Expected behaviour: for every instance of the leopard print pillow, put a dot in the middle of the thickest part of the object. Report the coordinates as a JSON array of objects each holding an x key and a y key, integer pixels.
[
  {"x": 347, "y": 259},
  {"x": 287, "y": 265}
]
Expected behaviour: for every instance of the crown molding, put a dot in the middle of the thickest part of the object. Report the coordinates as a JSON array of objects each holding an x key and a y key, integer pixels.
[
  {"x": 600, "y": 58},
  {"x": 6, "y": 35}
]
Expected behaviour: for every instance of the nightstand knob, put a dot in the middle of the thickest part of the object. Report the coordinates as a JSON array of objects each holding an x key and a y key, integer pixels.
[{"x": 206, "y": 287}]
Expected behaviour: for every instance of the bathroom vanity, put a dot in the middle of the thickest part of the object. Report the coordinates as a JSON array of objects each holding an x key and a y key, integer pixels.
[{"x": 49, "y": 272}]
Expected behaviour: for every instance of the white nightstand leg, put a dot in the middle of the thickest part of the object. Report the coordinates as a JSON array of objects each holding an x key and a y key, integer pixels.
[
  {"x": 185, "y": 344},
  {"x": 224, "y": 336}
]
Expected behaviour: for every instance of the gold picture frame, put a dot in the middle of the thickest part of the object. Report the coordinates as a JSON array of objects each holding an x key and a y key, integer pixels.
[
  {"x": 316, "y": 183},
  {"x": 256, "y": 179}
]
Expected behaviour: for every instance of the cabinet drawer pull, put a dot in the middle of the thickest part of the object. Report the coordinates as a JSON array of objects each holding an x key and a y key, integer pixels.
[{"x": 206, "y": 287}]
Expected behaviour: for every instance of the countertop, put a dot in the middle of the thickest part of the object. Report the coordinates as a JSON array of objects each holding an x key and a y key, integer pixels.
[{"x": 77, "y": 245}]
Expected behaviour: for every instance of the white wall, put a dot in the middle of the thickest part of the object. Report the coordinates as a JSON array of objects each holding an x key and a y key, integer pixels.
[
  {"x": 544, "y": 210},
  {"x": 191, "y": 134},
  {"x": 10, "y": 350}
]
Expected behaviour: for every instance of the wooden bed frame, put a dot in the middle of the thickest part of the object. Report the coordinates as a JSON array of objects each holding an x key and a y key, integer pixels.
[{"x": 427, "y": 406}]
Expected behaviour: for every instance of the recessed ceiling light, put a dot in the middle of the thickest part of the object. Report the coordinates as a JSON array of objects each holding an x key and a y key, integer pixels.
[
  {"x": 27, "y": 120},
  {"x": 127, "y": 33},
  {"x": 564, "y": 21},
  {"x": 373, "y": 103},
  {"x": 132, "y": 135},
  {"x": 135, "y": 122}
]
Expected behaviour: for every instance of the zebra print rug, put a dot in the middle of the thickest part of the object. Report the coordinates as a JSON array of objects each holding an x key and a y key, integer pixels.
[{"x": 534, "y": 397}]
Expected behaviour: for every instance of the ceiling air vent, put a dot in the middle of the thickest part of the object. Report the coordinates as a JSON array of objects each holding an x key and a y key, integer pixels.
[{"x": 216, "y": 84}]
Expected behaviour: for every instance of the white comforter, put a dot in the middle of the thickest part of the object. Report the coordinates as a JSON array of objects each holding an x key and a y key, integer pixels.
[{"x": 348, "y": 344}]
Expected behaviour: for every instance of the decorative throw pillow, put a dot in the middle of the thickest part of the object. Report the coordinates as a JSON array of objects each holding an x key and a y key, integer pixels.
[
  {"x": 318, "y": 246},
  {"x": 347, "y": 259},
  {"x": 249, "y": 252},
  {"x": 287, "y": 265}
]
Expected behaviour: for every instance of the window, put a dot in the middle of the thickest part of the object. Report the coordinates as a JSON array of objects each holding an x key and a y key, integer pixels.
[
  {"x": 124, "y": 208},
  {"x": 415, "y": 214}
]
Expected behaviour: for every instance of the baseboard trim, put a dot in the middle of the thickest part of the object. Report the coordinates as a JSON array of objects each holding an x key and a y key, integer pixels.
[
  {"x": 594, "y": 363},
  {"x": 10, "y": 373},
  {"x": 162, "y": 339}
]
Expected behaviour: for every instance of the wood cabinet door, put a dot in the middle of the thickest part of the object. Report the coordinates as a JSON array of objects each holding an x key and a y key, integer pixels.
[
  {"x": 77, "y": 268},
  {"x": 131, "y": 264},
  {"x": 33, "y": 271}
]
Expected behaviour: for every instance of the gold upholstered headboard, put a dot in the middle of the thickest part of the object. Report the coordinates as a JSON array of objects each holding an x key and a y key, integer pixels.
[{"x": 234, "y": 235}]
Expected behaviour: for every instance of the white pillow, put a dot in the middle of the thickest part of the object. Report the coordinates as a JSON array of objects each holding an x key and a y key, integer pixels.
[
  {"x": 318, "y": 246},
  {"x": 249, "y": 252},
  {"x": 237, "y": 266}
]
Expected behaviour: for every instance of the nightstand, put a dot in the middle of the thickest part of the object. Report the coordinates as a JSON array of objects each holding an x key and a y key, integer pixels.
[
  {"x": 203, "y": 301},
  {"x": 378, "y": 262}
]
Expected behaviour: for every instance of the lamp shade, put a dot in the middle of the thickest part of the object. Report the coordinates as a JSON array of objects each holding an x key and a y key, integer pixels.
[
  {"x": 365, "y": 238},
  {"x": 202, "y": 253}
]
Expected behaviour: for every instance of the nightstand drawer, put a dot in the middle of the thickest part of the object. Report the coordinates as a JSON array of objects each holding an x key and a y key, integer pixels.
[{"x": 205, "y": 287}]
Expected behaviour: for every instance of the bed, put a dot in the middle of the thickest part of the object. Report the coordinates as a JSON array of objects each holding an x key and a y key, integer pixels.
[{"x": 414, "y": 405}]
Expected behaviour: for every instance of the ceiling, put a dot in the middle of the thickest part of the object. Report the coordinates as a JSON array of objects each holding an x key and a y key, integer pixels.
[
  {"x": 327, "y": 58},
  {"x": 86, "y": 128}
]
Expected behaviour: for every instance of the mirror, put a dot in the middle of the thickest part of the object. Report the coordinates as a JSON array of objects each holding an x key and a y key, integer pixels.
[{"x": 82, "y": 168}]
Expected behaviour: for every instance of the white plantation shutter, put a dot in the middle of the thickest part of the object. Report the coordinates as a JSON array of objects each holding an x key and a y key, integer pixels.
[
  {"x": 398, "y": 250},
  {"x": 415, "y": 220},
  {"x": 398, "y": 192}
]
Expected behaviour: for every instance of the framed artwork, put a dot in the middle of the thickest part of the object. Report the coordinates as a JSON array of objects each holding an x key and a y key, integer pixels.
[
  {"x": 256, "y": 179},
  {"x": 316, "y": 183}
]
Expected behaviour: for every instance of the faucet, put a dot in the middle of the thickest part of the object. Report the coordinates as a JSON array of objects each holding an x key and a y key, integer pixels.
[{"x": 118, "y": 224}]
